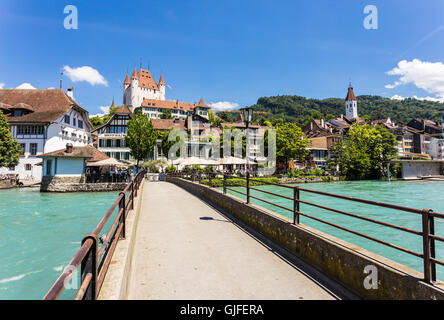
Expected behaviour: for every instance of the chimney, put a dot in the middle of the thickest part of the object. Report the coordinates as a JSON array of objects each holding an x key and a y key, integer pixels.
[
  {"x": 322, "y": 123},
  {"x": 70, "y": 92},
  {"x": 68, "y": 148}
]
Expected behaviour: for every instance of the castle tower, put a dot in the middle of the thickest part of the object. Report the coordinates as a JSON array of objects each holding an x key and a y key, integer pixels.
[
  {"x": 126, "y": 85},
  {"x": 161, "y": 85},
  {"x": 351, "y": 103},
  {"x": 134, "y": 97}
]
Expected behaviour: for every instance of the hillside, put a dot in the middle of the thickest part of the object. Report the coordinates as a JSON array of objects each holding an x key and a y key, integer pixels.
[{"x": 299, "y": 109}]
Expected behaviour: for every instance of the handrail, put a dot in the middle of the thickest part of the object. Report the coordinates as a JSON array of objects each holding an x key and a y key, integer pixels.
[
  {"x": 427, "y": 233},
  {"x": 94, "y": 262}
]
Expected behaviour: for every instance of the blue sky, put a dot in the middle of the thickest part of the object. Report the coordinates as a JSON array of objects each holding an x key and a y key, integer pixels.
[{"x": 227, "y": 51}]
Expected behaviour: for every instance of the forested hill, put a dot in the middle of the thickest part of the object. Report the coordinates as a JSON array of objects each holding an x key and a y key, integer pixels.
[{"x": 299, "y": 109}]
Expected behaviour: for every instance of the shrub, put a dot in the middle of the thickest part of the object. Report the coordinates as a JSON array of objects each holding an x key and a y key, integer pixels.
[{"x": 170, "y": 169}]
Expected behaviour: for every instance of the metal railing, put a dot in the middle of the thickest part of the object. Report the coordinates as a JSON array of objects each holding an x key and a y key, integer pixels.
[
  {"x": 94, "y": 261},
  {"x": 427, "y": 233}
]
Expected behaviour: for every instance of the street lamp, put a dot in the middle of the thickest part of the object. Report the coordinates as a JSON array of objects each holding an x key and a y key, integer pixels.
[{"x": 248, "y": 117}]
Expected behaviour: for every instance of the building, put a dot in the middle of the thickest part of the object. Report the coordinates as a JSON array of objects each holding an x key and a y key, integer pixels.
[
  {"x": 43, "y": 121},
  {"x": 142, "y": 86},
  {"x": 351, "y": 103},
  {"x": 154, "y": 108},
  {"x": 110, "y": 137}
]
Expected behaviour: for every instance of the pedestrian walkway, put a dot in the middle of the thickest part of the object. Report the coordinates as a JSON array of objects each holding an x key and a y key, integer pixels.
[{"x": 185, "y": 249}]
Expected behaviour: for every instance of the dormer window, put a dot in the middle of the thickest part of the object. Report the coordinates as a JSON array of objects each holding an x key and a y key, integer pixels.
[
  {"x": 18, "y": 113},
  {"x": 67, "y": 119}
]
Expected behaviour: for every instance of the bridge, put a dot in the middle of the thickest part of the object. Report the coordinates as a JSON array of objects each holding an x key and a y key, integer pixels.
[{"x": 184, "y": 240}]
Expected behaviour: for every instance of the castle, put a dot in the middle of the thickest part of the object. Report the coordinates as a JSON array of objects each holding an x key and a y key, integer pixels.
[
  {"x": 141, "y": 92},
  {"x": 142, "y": 86}
]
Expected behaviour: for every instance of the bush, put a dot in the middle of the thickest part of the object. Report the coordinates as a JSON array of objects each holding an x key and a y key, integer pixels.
[
  {"x": 153, "y": 166},
  {"x": 170, "y": 169},
  {"x": 239, "y": 182}
]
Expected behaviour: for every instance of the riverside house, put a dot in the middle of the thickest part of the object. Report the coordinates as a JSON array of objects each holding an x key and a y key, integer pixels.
[{"x": 42, "y": 121}]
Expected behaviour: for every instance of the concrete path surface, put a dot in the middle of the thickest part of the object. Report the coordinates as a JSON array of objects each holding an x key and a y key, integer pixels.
[{"x": 185, "y": 249}]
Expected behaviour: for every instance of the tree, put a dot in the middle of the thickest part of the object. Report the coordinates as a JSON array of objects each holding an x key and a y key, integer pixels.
[
  {"x": 364, "y": 153},
  {"x": 290, "y": 143},
  {"x": 166, "y": 114},
  {"x": 141, "y": 137},
  {"x": 213, "y": 119},
  {"x": 96, "y": 121},
  {"x": 9, "y": 147}
]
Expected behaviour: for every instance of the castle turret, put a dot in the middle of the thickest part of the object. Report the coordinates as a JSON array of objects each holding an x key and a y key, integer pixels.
[
  {"x": 127, "y": 81},
  {"x": 351, "y": 103},
  {"x": 161, "y": 86}
]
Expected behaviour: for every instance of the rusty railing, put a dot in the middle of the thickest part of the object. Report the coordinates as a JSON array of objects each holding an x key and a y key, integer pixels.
[
  {"x": 427, "y": 233},
  {"x": 94, "y": 261}
]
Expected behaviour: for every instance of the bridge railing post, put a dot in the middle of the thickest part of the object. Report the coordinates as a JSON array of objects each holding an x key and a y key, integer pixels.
[
  {"x": 428, "y": 246},
  {"x": 225, "y": 183},
  {"x": 89, "y": 266},
  {"x": 296, "y": 205},
  {"x": 123, "y": 216},
  {"x": 209, "y": 179},
  {"x": 248, "y": 186}
]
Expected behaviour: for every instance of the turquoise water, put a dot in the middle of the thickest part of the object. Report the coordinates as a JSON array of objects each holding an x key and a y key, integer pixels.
[
  {"x": 414, "y": 194},
  {"x": 39, "y": 235}
]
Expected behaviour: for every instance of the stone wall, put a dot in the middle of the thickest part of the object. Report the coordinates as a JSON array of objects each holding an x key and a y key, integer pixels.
[
  {"x": 82, "y": 187},
  {"x": 335, "y": 258}
]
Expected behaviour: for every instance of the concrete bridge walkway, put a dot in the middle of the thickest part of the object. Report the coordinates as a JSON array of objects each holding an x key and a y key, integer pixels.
[{"x": 185, "y": 249}]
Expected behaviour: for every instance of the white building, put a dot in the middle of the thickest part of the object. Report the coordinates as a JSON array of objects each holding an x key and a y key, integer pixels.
[
  {"x": 351, "y": 104},
  {"x": 142, "y": 86},
  {"x": 43, "y": 121}
]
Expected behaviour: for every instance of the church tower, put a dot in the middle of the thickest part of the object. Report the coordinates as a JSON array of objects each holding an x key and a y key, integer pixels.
[{"x": 351, "y": 103}]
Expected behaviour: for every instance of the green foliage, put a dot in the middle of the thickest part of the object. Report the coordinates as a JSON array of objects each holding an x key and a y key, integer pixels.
[
  {"x": 290, "y": 143},
  {"x": 99, "y": 121},
  {"x": 9, "y": 147},
  {"x": 215, "y": 121},
  {"x": 141, "y": 136},
  {"x": 154, "y": 166},
  {"x": 298, "y": 109},
  {"x": 239, "y": 182},
  {"x": 170, "y": 169},
  {"x": 208, "y": 169},
  {"x": 166, "y": 114},
  {"x": 364, "y": 153}
]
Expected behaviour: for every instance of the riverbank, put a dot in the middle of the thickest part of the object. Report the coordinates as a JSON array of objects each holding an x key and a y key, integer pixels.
[{"x": 241, "y": 182}]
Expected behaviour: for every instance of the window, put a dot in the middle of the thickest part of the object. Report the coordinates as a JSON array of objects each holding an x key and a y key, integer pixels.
[
  {"x": 23, "y": 147},
  {"x": 74, "y": 122},
  {"x": 33, "y": 149},
  {"x": 73, "y": 136},
  {"x": 18, "y": 113},
  {"x": 48, "y": 167},
  {"x": 67, "y": 119},
  {"x": 30, "y": 130},
  {"x": 80, "y": 124},
  {"x": 28, "y": 167}
]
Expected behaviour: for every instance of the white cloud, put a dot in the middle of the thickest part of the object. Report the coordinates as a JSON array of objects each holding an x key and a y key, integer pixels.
[
  {"x": 25, "y": 86},
  {"x": 428, "y": 76},
  {"x": 397, "y": 97},
  {"x": 104, "y": 109},
  {"x": 224, "y": 105},
  {"x": 85, "y": 73},
  {"x": 2, "y": 85}
]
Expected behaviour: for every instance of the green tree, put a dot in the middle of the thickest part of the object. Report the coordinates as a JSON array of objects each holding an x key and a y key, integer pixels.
[
  {"x": 96, "y": 121},
  {"x": 9, "y": 148},
  {"x": 213, "y": 119},
  {"x": 141, "y": 137},
  {"x": 290, "y": 143},
  {"x": 364, "y": 153},
  {"x": 166, "y": 114}
]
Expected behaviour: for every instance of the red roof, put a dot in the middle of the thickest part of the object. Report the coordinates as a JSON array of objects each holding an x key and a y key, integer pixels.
[
  {"x": 350, "y": 94},
  {"x": 44, "y": 105},
  {"x": 161, "y": 82},
  {"x": 127, "y": 79}
]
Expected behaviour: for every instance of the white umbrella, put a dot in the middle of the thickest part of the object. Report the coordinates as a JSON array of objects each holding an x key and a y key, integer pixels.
[
  {"x": 195, "y": 161},
  {"x": 232, "y": 160},
  {"x": 111, "y": 162}
]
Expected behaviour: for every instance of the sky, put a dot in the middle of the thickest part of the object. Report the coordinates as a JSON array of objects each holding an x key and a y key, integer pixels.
[{"x": 228, "y": 52}]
